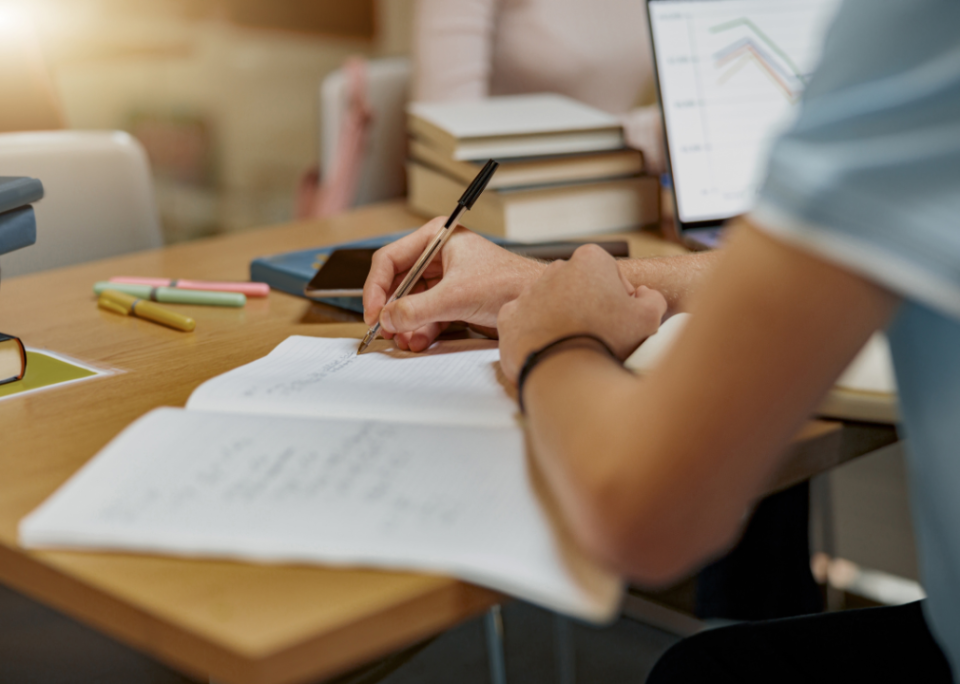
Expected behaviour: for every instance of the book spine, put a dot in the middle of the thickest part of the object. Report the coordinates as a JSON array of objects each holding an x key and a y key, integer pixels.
[
  {"x": 18, "y": 228},
  {"x": 18, "y": 192}
]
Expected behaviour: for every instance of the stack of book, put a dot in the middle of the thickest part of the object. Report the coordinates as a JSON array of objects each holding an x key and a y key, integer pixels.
[
  {"x": 564, "y": 168},
  {"x": 18, "y": 226}
]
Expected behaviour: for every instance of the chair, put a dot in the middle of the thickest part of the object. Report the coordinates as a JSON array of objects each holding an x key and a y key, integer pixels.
[
  {"x": 385, "y": 84},
  {"x": 98, "y": 200}
]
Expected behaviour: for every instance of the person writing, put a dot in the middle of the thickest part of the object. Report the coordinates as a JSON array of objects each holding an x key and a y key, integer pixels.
[
  {"x": 598, "y": 52},
  {"x": 855, "y": 229}
]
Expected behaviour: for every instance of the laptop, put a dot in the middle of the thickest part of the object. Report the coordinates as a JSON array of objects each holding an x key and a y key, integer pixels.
[{"x": 730, "y": 74}]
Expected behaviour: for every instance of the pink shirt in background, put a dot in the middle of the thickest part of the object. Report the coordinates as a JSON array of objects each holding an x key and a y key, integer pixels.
[{"x": 595, "y": 51}]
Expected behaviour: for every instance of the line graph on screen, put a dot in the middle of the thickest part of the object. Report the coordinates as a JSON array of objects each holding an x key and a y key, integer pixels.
[
  {"x": 759, "y": 50},
  {"x": 731, "y": 74}
]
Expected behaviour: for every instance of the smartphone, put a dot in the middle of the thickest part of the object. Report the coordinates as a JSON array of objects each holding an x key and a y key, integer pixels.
[
  {"x": 345, "y": 270},
  {"x": 342, "y": 275}
]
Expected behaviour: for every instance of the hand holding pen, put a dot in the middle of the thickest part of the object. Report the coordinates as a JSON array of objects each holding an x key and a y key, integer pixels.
[{"x": 436, "y": 245}]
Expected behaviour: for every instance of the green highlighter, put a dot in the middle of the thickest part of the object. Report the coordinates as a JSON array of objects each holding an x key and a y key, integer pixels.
[{"x": 174, "y": 295}]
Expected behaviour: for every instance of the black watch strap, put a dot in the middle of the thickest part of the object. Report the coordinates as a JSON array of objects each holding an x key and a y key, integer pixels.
[{"x": 568, "y": 342}]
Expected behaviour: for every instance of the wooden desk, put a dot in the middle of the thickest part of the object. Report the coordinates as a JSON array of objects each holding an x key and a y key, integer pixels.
[{"x": 236, "y": 623}]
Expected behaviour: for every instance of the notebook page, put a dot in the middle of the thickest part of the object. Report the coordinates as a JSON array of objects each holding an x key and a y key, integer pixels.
[
  {"x": 456, "y": 382},
  {"x": 866, "y": 390},
  {"x": 451, "y": 500},
  {"x": 870, "y": 371}
]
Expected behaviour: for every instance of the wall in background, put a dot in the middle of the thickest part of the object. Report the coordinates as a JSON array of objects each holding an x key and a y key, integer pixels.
[{"x": 223, "y": 97}]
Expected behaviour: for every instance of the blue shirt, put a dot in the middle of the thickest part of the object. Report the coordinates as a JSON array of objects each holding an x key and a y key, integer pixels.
[{"x": 868, "y": 177}]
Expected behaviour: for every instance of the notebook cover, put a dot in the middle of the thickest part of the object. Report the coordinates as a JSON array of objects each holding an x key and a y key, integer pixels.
[
  {"x": 18, "y": 228},
  {"x": 18, "y": 191},
  {"x": 291, "y": 271},
  {"x": 513, "y": 115}
]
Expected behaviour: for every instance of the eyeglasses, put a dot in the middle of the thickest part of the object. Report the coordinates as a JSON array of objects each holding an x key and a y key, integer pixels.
[{"x": 13, "y": 359}]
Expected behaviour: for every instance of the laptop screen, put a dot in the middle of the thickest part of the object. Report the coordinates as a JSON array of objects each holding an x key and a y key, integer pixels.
[{"x": 730, "y": 74}]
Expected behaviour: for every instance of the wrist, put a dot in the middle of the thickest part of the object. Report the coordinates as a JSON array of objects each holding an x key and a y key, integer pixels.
[
  {"x": 580, "y": 342},
  {"x": 525, "y": 271}
]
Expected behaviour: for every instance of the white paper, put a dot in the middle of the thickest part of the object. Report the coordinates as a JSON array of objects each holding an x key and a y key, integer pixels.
[
  {"x": 455, "y": 500},
  {"x": 453, "y": 383},
  {"x": 655, "y": 347},
  {"x": 870, "y": 371}
]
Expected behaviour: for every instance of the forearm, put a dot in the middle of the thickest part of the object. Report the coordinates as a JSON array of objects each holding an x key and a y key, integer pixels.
[
  {"x": 598, "y": 439},
  {"x": 655, "y": 475},
  {"x": 677, "y": 278}
]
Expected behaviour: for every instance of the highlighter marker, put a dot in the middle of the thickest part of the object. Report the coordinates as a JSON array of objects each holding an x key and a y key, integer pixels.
[
  {"x": 249, "y": 289},
  {"x": 126, "y": 305},
  {"x": 173, "y": 295}
]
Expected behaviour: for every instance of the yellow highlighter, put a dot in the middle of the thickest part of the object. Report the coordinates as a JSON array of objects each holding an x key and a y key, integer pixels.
[{"x": 125, "y": 304}]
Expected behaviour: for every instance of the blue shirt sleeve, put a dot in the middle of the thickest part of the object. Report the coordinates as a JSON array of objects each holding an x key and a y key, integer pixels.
[{"x": 868, "y": 175}]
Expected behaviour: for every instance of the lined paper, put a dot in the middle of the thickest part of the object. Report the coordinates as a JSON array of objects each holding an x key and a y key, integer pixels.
[
  {"x": 448, "y": 499},
  {"x": 457, "y": 382}
]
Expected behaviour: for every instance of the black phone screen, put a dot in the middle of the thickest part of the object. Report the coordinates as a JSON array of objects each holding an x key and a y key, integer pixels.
[{"x": 344, "y": 271}]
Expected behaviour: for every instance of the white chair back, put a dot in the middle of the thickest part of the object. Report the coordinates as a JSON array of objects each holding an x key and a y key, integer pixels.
[
  {"x": 98, "y": 197},
  {"x": 382, "y": 175}
]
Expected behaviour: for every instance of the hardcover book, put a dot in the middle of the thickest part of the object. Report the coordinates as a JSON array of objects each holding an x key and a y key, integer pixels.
[
  {"x": 18, "y": 228},
  {"x": 526, "y": 171},
  {"x": 541, "y": 212},
  {"x": 514, "y": 126},
  {"x": 19, "y": 191},
  {"x": 290, "y": 271}
]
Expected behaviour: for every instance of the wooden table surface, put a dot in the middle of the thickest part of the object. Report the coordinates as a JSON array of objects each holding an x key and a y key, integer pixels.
[{"x": 233, "y": 622}]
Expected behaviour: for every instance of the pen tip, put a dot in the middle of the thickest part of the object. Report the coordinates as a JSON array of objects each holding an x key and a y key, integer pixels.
[
  {"x": 364, "y": 343},
  {"x": 369, "y": 337}
]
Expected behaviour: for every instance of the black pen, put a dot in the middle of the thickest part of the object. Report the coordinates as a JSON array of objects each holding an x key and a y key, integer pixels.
[{"x": 470, "y": 196}]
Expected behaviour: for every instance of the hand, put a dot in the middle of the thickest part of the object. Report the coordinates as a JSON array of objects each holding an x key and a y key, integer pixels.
[
  {"x": 470, "y": 281},
  {"x": 587, "y": 294}
]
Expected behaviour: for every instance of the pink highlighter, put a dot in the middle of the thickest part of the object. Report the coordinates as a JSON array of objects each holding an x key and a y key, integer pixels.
[{"x": 249, "y": 289}]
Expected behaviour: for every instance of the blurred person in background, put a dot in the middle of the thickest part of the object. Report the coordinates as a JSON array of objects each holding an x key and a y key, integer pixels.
[{"x": 594, "y": 51}]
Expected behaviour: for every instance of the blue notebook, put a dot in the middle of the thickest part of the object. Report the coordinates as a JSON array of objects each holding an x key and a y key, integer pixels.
[
  {"x": 18, "y": 228},
  {"x": 18, "y": 191},
  {"x": 291, "y": 271}
]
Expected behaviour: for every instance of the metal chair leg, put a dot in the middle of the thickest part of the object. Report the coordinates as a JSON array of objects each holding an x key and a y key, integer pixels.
[
  {"x": 821, "y": 504},
  {"x": 564, "y": 653},
  {"x": 493, "y": 627}
]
